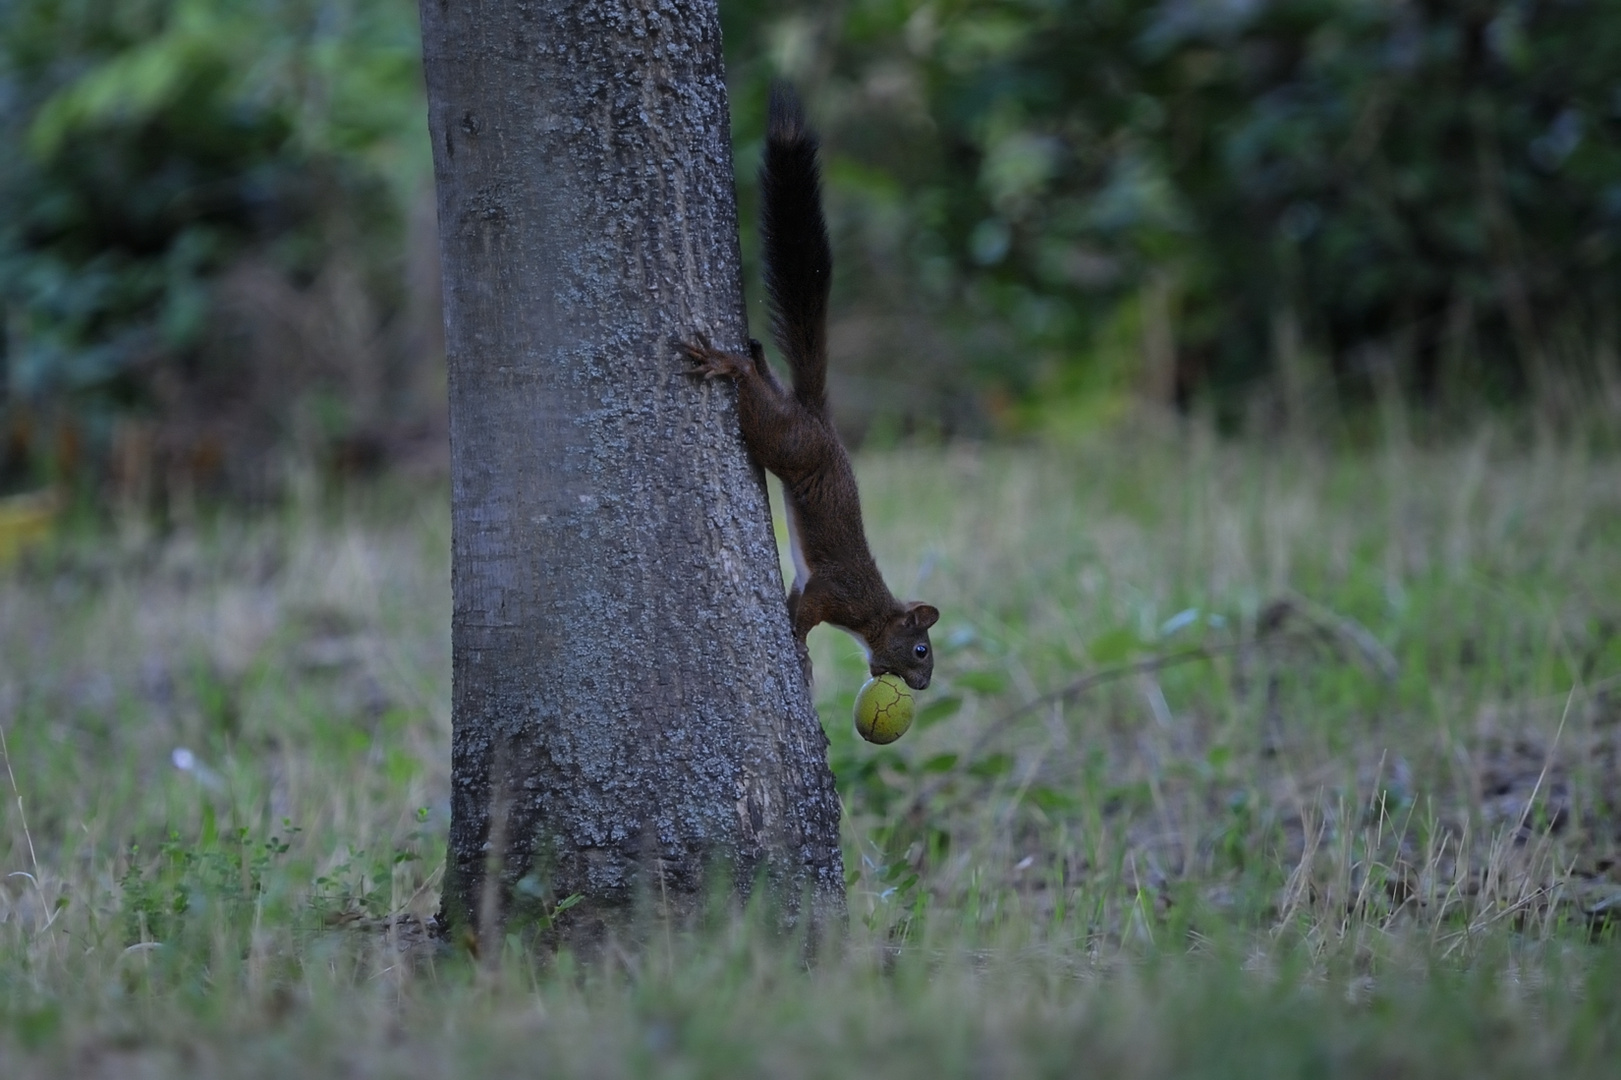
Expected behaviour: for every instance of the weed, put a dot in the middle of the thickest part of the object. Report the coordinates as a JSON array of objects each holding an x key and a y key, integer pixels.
[{"x": 1367, "y": 822}]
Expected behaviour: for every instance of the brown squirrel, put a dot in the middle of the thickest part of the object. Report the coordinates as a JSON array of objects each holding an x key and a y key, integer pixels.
[{"x": 791, "y": 432}]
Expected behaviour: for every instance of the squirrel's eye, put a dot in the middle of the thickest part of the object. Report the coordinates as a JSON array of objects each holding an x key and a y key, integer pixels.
[{"x": 921, "y": 651}]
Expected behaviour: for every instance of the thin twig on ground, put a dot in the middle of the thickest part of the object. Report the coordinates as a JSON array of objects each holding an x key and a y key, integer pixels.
[{"x": 1322, "y": 622}]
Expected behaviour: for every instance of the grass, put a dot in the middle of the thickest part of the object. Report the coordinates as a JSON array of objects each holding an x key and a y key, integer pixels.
[{"x": 1375, "y": 831}]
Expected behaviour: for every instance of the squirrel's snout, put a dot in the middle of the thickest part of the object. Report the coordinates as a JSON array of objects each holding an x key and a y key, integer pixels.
[{"x": 916, "y": 680}]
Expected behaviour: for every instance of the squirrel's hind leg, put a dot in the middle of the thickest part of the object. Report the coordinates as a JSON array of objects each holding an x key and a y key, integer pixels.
[{"x": 780, "y": 432}]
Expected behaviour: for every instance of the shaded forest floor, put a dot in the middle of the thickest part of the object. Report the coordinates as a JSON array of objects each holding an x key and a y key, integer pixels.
[{"x": 1240, "y": 760}]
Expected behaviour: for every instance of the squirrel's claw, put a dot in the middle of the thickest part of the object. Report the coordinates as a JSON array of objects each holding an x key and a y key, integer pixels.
[{"x": 695, "y": 350}]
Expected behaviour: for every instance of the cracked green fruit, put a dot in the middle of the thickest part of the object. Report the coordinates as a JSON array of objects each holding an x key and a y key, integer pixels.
[{"x": 884, "y": 709}]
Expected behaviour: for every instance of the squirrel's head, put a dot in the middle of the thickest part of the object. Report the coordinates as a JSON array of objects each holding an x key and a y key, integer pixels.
[{"x": 903, "y": 647}]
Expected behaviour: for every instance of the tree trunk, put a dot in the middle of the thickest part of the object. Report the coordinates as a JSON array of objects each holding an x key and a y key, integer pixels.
[{"x": 630, "y": 717}]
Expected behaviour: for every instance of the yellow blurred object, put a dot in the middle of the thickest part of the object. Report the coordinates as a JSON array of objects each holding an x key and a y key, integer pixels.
[{"x": 25, "y": 521}]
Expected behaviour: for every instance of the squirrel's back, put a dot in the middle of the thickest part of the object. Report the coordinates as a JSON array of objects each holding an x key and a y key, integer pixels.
[{"x": 798, "y": 258}]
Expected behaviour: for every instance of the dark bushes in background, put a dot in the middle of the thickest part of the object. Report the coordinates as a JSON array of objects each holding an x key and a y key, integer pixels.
[
  {"x": 1325, "y": 198},
  {"x": 217, "y": 253},
  {"x": 205, "y": 254}
]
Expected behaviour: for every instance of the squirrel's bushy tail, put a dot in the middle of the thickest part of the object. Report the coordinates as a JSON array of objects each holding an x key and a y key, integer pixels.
[{"x": 798, "y": 258}]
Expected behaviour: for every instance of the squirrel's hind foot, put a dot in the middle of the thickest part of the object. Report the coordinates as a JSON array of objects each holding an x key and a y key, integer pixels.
[{"x": 709, "y": 362}]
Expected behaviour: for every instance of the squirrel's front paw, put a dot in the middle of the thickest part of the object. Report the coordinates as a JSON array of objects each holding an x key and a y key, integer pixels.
[
  {"x": 708, "y": 361},
  {"x": 803, "y": 648}
]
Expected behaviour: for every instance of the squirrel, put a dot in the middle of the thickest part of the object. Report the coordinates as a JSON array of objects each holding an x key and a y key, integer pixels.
[{"x": 790, "y": 431}]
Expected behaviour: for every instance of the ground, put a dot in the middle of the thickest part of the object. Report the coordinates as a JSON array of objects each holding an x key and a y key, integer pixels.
[{"x": 1240, "y": 759}]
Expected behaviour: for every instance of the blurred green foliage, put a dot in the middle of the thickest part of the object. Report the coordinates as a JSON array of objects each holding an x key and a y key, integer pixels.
[
  {"x": 1040, "y": 207},
  {"x": 1421, "y": 194},
  {"x": 156, "y": 145}
]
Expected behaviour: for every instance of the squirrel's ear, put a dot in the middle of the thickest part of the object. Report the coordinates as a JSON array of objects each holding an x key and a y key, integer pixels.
[{"x": 921, "y": 616}]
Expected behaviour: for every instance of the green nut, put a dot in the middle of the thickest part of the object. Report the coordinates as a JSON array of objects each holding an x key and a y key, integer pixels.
[{"x": 884, "y": 709}]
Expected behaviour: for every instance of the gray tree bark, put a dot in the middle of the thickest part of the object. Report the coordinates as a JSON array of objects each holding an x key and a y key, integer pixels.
[{"x": 629, "y": 713}]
